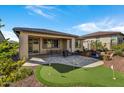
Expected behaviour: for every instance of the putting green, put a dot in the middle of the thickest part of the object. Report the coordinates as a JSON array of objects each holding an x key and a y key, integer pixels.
[{"x": 62, "y": 75}]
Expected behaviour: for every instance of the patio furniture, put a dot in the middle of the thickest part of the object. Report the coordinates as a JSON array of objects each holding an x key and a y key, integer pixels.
[
  {"x": 95, "y": 55},
  {"x": 65, "y": 53},
  {"x": 108, "y": 56},
  {"x": 78, "y": 52}
]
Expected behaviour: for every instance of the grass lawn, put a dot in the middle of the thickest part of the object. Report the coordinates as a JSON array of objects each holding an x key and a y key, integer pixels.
[{"x": 62, "y": 75}]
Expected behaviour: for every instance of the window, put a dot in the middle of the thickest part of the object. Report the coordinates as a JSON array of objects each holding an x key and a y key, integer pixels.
[
  {"x": 51, "y": 43},
  {"x": 120, "y": 40},
  {"x": 33, "y": 45},
  {"x": 78, "y": 44},
  {"x": 35, "y": 41},
  {"x": 113, "y": 40}
]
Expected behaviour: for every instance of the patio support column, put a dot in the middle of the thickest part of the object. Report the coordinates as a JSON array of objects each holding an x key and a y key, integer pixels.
[
  {"x": 41, "y": 48},
  {"x": 23, "y": 50},
  {"x": 73, "y": 44},
  {"x": 68, "y": 45}
]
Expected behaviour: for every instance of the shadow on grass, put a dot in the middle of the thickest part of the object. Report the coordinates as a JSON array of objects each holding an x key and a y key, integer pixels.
[{"x": 62, "y": 68}]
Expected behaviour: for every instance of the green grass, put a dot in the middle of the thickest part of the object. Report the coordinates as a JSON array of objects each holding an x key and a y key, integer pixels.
[{"x": 62, "y": 75}]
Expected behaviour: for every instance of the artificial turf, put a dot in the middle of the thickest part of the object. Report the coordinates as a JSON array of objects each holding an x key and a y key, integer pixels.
[{"x": 63, "y": 75}]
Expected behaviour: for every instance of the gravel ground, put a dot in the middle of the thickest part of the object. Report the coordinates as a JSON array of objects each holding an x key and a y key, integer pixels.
[
  {"x": 28, "y": 82},
  {"x": 117, "y": 62}
]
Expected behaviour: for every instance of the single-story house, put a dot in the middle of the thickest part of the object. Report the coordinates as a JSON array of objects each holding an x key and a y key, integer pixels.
[
  {"x": 44, "y": 41},
  {"x": 2, "y": 38},
  {"x": 108, "y": 39}
]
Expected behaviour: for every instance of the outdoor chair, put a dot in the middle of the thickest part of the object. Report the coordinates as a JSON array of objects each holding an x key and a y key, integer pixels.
[
  {"x": 108, "y": 56},
  {"x": 65, "y": 53},
  {"x": 111, "y": 56}
]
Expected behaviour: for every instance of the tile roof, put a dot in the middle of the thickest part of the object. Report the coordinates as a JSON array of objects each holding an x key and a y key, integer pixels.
[
  {"x": 47, "y": 31},
  {"x": 101, "y": 33}
]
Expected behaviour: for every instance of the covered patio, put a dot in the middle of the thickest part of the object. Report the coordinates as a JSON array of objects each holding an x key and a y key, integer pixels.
[{"x": 47, "y": 45}]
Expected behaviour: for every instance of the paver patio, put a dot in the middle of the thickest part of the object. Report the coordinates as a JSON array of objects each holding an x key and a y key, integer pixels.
[{"x": 76, "y": 60}]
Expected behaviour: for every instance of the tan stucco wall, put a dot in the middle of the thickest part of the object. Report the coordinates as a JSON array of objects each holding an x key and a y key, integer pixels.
[
  {"x": 104, "y": 40},
  {"x": 73, "y": 44},
  {"x": 23, "y": 43},
  {"x": 85, "y": 42},
  {"x": 68, "y": 45}
]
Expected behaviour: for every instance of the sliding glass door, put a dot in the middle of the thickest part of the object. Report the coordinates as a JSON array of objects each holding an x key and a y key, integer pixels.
[{"x": 34, "y": 45}]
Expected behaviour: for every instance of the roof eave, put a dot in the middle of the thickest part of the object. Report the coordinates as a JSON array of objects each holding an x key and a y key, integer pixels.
[{"x": 18, "y": 30}]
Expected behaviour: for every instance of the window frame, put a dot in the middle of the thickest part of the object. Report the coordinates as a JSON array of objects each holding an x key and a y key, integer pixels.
[
  {"x": 78, "y": 43},
  {"x": 54, "y": 43}
]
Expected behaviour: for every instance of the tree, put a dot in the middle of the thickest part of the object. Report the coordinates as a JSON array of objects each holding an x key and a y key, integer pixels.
[{"x": 1, "y": 25}]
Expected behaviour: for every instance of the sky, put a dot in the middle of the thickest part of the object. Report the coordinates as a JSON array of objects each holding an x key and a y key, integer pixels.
[{"x": 73, "y": 19}]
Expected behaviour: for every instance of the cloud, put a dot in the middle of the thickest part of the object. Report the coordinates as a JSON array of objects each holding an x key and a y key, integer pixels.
[
  {"x": 106, "y": 24},
  {"x": 10, "y": 34},
  {"x": 90, "y": 27},
  {"x": 39, "y": 10}
]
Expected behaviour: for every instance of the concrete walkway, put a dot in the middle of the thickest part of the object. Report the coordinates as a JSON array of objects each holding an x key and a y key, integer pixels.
[{"x": 77, "y": 61}]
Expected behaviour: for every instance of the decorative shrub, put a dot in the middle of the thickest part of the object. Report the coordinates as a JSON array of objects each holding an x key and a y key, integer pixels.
[
  {"x": 15, "y": 76},
  {"x": 98, "y": 46},
  {"x": 119, "y": 49},
  {"x": 10, "y": 70}
]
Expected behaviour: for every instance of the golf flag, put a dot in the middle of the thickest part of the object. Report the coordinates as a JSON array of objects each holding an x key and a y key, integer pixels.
[{"x": 112, "y": 67}]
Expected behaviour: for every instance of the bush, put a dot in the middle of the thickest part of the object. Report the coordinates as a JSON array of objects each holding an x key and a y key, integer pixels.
[
  {"x": 26, "y": 72},
  {"x": 119, "y": 49},
  {"x": 10, "y": 70},
  {"x": 15, "y": 76}
]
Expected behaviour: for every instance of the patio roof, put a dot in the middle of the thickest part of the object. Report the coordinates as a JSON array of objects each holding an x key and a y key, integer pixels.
[{"x": 44, "y": 31}]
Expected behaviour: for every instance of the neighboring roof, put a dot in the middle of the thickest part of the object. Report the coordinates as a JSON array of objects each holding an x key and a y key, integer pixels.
[
  {"x": 46, "y": 31},
  {"x": 101, "y": 33},
  {"x": 1, "y": 37}
]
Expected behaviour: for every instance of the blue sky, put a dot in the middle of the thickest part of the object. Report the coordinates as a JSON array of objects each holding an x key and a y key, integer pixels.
[{"x": 77, "y": 20}]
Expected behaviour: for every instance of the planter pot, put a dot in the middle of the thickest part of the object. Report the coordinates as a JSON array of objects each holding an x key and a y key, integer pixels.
[{"x": 88, "y": 54}]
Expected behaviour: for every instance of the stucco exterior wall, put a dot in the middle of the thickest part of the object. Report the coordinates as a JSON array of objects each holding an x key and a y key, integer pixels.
[
  {"x": 86, "y": 43},
  {"x": 107, "y": 40},
  {"x": 73, "y": 44},
  {"x": 23, "y": 43}
]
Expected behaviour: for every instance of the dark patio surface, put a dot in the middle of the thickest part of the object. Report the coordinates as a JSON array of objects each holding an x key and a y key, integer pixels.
[{"x": 76, "y": 60}]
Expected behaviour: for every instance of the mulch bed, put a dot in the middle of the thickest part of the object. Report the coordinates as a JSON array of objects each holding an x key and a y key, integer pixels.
[
  {"x": 28, "y": 82},
  {"x": 117, "y": 62}
]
